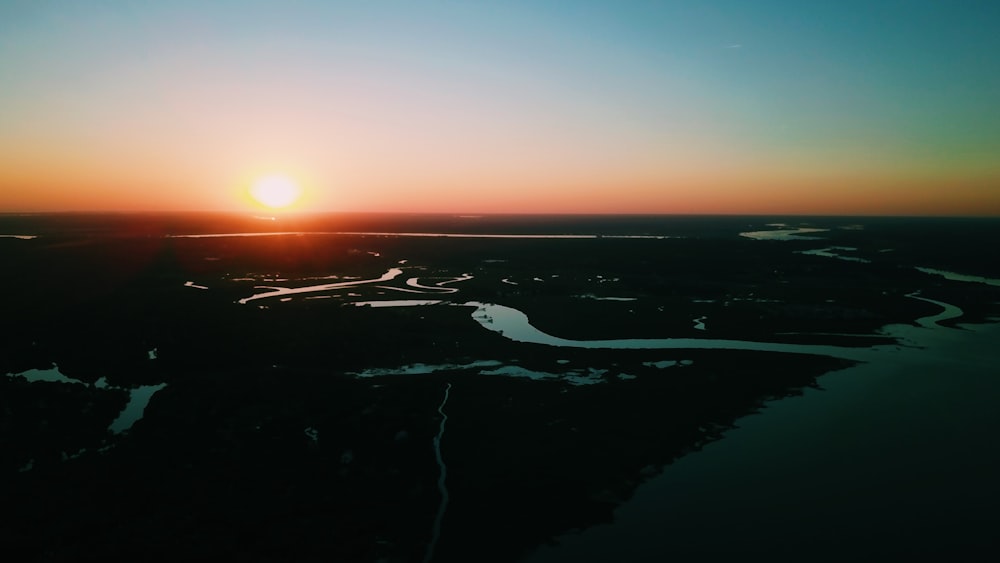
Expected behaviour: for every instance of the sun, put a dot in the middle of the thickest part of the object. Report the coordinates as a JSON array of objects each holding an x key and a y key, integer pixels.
[{"x": 275, "y": 191}]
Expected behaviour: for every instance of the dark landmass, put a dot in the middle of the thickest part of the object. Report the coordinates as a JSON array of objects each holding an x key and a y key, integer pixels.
[{"x": 266, "y": 443}]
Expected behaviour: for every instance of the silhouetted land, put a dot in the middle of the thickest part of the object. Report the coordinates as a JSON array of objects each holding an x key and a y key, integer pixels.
[{"x": 274, "y": 438}]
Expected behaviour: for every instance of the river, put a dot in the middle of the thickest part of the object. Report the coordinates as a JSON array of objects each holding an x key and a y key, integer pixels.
[{"x": 890, "y": 459}]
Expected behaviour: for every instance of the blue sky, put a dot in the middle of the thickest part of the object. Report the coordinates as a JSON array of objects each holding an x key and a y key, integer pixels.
[{"x": 646, "y": 102}]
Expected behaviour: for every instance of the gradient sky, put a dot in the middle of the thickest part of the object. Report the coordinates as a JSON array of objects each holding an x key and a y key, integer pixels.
[{"x": 712, "y": 106}]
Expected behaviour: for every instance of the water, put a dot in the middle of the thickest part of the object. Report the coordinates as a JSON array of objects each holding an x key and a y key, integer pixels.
[
  {"x": 784, "y": 234},
  {"x": 830, "y": 252},
  {"x": 960, "y": 277},
  {"x": 396, "y": 303},
  {"x": 418, "y": 235},
  {"x": 138, "y": 400},
  {"x": 139, "y": 397},
  {"x": 514, "y": 325},
  {"x": 892, "y": 460},
  {"x": 889, "y": 459},
  {"x": 389, "y": 275}
]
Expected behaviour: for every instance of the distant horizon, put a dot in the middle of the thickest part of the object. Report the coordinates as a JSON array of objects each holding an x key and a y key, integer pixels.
[{"x": 473, "y": 214}]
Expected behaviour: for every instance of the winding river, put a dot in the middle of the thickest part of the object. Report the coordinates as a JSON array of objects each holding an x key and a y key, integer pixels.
[
  {"x": 515, "y": 325},
  {"x": 891, "y": 460},
  {"x": 893, "y": 446},
  {"x": 391, "y": 274}
]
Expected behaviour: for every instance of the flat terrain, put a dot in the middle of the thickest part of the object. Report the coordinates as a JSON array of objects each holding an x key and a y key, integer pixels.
[{"x": 286, "y": 422}]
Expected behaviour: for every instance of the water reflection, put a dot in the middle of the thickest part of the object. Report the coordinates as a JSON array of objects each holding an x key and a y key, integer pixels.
[
  {"x": 884, "y": 456},
  {"x": 831, "y": 252},
  {"x": 948, "y": 312},
  {"x": 403, "y": 235},
  {"x": 514, "y": 325},
  {"x": 52, "y": 375},
  {"x": 960, "y": 277},
  {"x": 784, "y": 234},
  {"x": 396, "y": 303},
  {"x": 390, "y": 274},
  {"x": 138, "y": 397}
]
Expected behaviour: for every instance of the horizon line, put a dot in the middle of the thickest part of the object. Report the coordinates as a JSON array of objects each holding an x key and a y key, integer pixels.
[{"x": 277, "y": 214}]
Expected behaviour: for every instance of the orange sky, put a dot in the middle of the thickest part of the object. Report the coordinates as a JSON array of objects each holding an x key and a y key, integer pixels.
[{"x": 497, "y": 108}]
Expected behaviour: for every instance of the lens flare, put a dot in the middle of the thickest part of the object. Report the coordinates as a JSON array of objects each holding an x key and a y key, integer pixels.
[{"x": 275, "y": 191}]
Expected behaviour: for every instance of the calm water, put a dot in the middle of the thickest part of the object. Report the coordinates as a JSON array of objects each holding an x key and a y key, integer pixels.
[{"x": 891, "y": 458}]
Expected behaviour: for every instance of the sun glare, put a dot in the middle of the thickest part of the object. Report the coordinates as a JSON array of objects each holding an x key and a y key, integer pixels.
[{"x": 275, "y": 191}]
